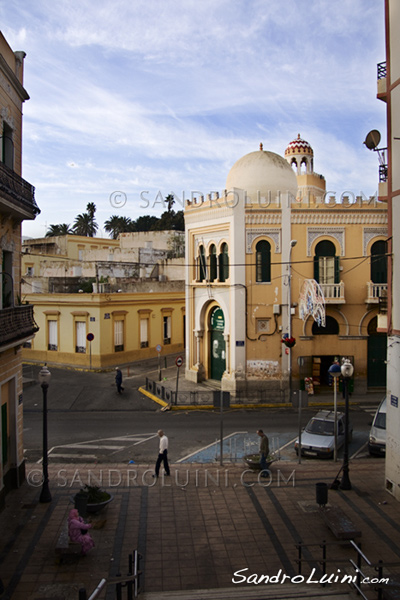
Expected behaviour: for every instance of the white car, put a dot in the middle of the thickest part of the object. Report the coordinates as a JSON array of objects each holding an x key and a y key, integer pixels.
[
  {"x": 318, "y": 437},
  {"x": 377, "y": 435}
]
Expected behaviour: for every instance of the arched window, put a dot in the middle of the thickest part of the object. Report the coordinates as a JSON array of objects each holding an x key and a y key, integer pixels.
[
  {"x": 201, "y": 264},
  {"x": 213, "y": 262},
  {"x": 223, "y": 263},
  {"x": 263, "y": 261},
  {"x": 326, "y": 264},
  {"x": 331, "y": 327},
  {"x": 379, "y": 262}
]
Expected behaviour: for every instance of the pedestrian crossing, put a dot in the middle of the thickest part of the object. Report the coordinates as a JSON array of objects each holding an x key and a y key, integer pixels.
[
  {"x": 111, "y": 448},
  {"x": 369, "y": 408}
]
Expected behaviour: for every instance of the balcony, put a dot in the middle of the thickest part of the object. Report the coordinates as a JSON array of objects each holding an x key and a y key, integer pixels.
[
  {"x": 16, "y": 325},
  {"x": 376, "y": 293},
  {"x": 17, "y": 196},
  {"x": 333, "y": 292},
  {"x": 382, "y": 88}
]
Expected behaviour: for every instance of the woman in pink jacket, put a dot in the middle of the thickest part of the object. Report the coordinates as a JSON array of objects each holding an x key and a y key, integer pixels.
[{"x": 78, "y": 531}]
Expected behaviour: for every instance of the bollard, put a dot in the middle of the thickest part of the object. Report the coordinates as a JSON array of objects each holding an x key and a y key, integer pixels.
[
  {"x": 321, "y": 490},
  {"x": 82, "y": 594}
]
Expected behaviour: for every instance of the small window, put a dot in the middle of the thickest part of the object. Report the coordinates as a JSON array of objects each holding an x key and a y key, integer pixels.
[
  {"x": 379, "y": 262},
  {"x": 326, "y": 264},
  {"x": 118, "y": 336},
  {"x": 53, "y": 335},
  {"x": 224, "y": 263},
  {"x": 201, "y": 264},
  {"x": 167, "y": 329},
  {"x": 80, "y": 337},
  {"x": 144, "y": 341},
  {"x": 263, "y": 262},
  {"x": 213, "y": 262}
]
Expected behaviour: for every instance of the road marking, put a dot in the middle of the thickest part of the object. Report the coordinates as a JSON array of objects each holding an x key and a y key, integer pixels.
[{"x": 210, "y": 446}]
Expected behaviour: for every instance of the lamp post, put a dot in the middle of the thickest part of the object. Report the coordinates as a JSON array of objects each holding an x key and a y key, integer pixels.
[
  {"x": 44, "y": 380},
  {"x": 347, "y": 370},
  {"x": 335, "y": 371},
  {"x": 291, "y": 246}
]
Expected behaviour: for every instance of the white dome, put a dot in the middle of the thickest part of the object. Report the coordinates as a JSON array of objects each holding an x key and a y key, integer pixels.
[{"x": 264, "y": 174}]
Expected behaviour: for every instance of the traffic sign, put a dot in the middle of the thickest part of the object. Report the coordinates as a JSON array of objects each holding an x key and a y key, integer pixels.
[
  {"x": 90, "y": 337},
  {"x": 158, "y": 347},
  {"x": 179, "y": 361}
]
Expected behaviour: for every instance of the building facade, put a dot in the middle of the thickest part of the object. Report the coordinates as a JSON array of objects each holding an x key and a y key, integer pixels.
[
  {"x": 17, "y": 325},
  {"x": 389, "y": 192},
  {"x": 251, "y": 253}
]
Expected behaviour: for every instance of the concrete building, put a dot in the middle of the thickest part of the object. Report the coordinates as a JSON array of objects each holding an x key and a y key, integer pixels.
[
  {"x": 128, "y": 293},
  {"x": 17, "y": 325},
  {"x": 252, "y": 250},
  {"x": 389, "y": 192},
  {"x": 69, "y": 263}
]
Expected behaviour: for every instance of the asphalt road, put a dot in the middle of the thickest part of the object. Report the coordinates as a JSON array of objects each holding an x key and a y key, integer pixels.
[{"x": 125, "y": 436}]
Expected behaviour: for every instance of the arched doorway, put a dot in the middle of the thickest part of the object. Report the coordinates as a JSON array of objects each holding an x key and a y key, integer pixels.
[
  {"x": 217, "y": 343},
  {"x": 377, "y": 350}
]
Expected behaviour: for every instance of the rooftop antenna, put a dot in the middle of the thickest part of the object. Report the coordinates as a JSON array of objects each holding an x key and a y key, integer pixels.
[{"x": 372, "y": 141}]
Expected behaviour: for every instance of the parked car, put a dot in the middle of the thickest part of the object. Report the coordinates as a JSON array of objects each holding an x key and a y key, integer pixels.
[
  {"x": 318, "y": 437},
  {"x": 377, "y": 435}
]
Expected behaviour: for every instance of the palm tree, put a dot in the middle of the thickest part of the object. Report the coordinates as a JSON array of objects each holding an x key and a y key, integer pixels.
[
  {"x": 117, "y": 224},
  {"x": 60, "y": 229},
  {"x": 85, "y": 225}
]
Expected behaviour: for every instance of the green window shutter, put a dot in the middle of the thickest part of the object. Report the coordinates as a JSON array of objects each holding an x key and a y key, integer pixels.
[
  {"x": 316, "y": 268},
  {"x": 337, "y": 270}
]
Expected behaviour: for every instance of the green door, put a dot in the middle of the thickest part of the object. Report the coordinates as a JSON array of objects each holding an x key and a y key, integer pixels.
[
  {"x": 377, "y": 351},
  {"x": 217, "y": 342}
]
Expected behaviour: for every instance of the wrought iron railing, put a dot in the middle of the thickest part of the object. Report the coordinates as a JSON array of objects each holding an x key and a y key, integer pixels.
[
  {"x": 381, "y": 70},
  {"x": 19, "y": 190},
  {"x": 16, "y": 323}
]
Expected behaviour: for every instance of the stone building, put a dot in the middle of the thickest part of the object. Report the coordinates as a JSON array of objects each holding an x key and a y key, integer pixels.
[
  {"x": 17, "y": 325},
  {"x": 251, "y": 252}
]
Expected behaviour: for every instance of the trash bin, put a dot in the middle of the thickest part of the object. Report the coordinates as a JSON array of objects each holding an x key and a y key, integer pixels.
[
  {"x": 321, "y": 491},
  {"x": 81, "y": 501}
]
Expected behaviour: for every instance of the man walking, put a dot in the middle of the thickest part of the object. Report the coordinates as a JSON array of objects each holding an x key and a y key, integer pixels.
[
  {"x": 264, "y": 452},
  {"x": 162, "y": 453},
  {"x": 118, "y": 380}
]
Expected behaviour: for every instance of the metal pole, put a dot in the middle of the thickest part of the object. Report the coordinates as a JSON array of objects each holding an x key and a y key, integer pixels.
[
  {"x": 177, "y": 382},
  {"x": 45, "y": 495},
  {"x": 221, "y": 410},
  {"x": 90, "y": 354},
  {"x": 335, "y": 422},
  {"x": 345, "y": 483},
  {"x": 159, "y": 366},
  {"x": 299, "y": 424}
]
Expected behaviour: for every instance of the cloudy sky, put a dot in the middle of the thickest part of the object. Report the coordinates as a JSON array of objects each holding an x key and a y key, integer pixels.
[{"x": 149, "y": 97}]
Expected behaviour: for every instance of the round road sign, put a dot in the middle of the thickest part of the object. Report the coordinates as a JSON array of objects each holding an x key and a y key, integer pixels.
[
  {"x": 158, "y": 348},
  {"x": 179, "y": 361},
  {"x": 90, "y": 337}
]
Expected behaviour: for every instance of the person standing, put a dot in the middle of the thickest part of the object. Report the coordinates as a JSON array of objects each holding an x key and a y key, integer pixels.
[
  {"x": 162, "y": 453},
  {"x": 264, "y": 452},
  {"x": 118, "y": 380}
]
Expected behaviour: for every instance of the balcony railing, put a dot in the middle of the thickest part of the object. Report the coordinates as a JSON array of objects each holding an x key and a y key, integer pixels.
[
  {"x": 375, "y": 292},
  {"x": 381, "y": 70},
  {"x": 16, "y": 189},
  {"x": 333, "y": 292},
  {"x": 16, "y": 324}
]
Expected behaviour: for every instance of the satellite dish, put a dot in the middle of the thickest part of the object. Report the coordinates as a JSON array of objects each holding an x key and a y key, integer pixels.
[{"x": 372, "y": 140}]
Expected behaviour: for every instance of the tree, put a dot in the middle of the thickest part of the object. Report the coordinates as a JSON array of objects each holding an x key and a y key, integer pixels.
[
  {"x": 169, "y": 200},
  {"x": 117, "y": 224},
  {"x": 60, "y": 229},
  {"x": 85, "y": 223},
  {"x": 145, "y": 223}
]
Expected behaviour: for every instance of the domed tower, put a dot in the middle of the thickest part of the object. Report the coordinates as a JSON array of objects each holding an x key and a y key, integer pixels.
[{"x": 300, "y": 156}]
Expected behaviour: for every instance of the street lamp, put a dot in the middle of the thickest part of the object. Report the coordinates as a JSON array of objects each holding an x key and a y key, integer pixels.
[
  {"x": 335, "y": 371},
  {"x": 44, "y": 380},
  {"x": 291, "y": 246},
  {"x": 347, "y": 370}
]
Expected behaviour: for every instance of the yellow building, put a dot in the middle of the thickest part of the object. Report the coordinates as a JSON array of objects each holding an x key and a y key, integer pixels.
[
  {"x": 251, "y": 252},
  {"x": 124, "y": 327},
  {"x": 17, "y": 202}
]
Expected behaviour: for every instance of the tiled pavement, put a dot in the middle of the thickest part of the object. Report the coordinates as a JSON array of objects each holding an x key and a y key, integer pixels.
[{"x": 194, "y": 529}]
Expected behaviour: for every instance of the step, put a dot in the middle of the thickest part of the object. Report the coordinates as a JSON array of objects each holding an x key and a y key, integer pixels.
[{"x": 262, "y": 592}]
